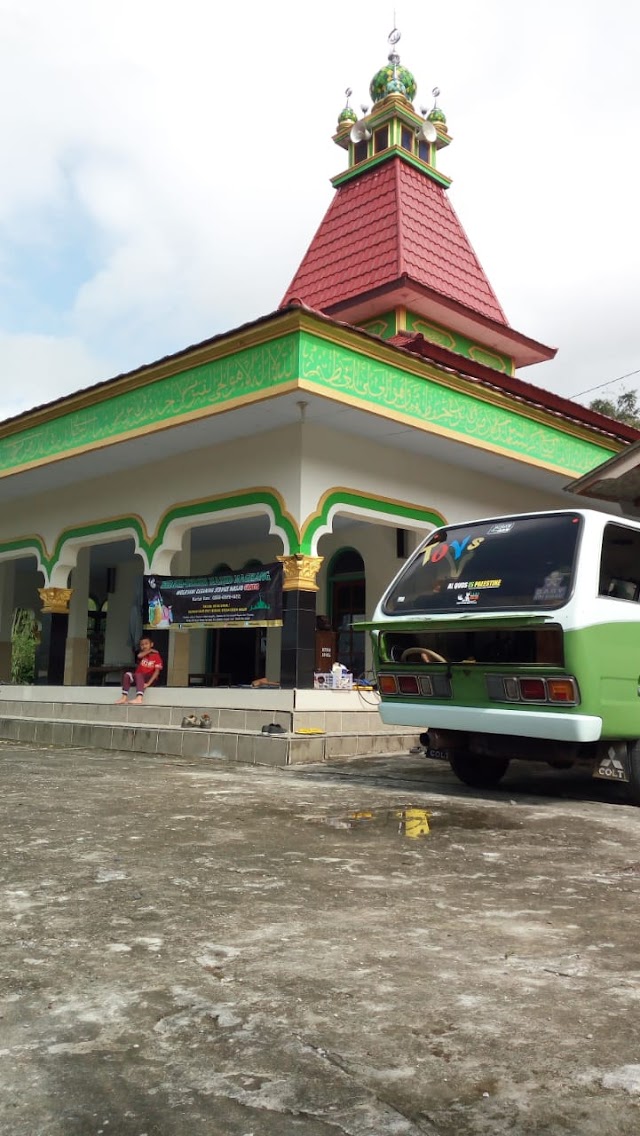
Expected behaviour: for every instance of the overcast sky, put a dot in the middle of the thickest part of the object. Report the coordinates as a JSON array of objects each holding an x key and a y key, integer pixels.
[{"x": 164, "y": 167}]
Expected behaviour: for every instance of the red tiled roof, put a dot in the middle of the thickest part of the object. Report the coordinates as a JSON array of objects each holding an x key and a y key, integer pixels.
[{"x": 390, "y": 222}]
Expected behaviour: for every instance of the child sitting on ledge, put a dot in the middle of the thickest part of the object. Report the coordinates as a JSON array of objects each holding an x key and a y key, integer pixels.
[{"x": 148, "y": 667}]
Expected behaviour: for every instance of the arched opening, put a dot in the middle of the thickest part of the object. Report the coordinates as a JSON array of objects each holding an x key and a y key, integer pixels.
[
  {"x": 347, "y": 604},
  {"x": 232, "y": 654},
  {"x": 105, "y": 614},
  {"x": 20, "y": 615}
]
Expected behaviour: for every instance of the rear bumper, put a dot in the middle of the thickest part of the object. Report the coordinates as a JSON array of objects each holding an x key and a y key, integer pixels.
[{"x": 487, "y": 720}]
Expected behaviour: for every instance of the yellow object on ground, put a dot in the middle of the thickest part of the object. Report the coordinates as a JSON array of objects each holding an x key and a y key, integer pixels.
[{"x": 416, "y": 822}]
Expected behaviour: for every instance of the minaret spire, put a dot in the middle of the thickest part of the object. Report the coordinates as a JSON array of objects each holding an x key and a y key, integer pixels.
[
  {"x": 392, "y": 128},
  {"x": 391, "y": 255}
]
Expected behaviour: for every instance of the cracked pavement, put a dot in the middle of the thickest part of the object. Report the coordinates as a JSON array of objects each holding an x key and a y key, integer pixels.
[{"x": 200, "y": 948}]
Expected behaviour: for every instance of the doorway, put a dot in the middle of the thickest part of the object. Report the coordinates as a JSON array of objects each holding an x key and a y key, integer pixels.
[{"x": 347, "y": 605}]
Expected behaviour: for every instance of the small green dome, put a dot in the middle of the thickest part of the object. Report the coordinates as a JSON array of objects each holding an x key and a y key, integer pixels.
[
  {"x": 346, "y": 116},
  {"x": 437, "y": 115},
  {"x": 392, "y": 81}
]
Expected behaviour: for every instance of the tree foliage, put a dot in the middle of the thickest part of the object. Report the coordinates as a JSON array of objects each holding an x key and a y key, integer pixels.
[
  {"x": 23, "y": 646},
  {"x": 625, "y": 408}
]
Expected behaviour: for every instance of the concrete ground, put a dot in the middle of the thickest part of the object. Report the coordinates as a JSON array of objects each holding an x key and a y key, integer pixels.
[{"x": 193, "y": 948}]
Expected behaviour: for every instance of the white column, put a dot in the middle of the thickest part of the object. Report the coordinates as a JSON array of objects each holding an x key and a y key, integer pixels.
[
  {"x": 76, "y": 659},
  {"x": 180, "y": 645}
]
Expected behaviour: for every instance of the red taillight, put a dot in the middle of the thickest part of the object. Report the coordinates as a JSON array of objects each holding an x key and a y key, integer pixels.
[
  {"x": 387, "y": 684},
  {"x": 408, "y": 684},
  {"x": 532, "y": 690},
  {"x": 516, "y": 688}
]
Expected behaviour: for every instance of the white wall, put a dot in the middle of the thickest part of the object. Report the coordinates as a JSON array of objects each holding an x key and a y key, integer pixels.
[
  {"x": 300, "y": 462},
  {"x": 331, "y": 459},
  {"x": 270, "y": 459}
]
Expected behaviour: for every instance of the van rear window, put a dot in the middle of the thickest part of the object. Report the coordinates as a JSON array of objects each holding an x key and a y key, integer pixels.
[{"x": 497, "y": 565}]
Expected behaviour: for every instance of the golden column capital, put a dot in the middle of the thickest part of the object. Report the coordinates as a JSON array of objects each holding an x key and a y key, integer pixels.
[
  {"x": 55, "y": 600},
  {"x": 300, "y": 572}
]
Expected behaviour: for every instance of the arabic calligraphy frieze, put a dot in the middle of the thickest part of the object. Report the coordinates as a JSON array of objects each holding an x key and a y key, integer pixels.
[
  {"x": 245, "y": 373},
  {"x": 367, "y": 380}
]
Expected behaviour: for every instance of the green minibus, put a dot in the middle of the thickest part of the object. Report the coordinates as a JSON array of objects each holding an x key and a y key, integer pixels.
[{"x": 518, "y": 637}]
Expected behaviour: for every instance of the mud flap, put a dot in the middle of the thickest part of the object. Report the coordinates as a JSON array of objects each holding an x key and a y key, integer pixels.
[{"x": 613, "y": 764}]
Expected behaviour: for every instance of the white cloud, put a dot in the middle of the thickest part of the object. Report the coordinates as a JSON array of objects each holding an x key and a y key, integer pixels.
[
  {"x": 35, "y": 369},
  {"x": 191, "y": 149}
]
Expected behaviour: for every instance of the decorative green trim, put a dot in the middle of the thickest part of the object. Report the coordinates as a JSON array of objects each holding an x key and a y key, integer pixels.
[
  {"x": 248, "y": 373},
  {"x": 433, "y": 333},
  {"x": 383, "y": 156},
  {"x": 339, "y": 363},
  {"x": 492, "y": 359},
  {"x": 29, "y": 545},
  {"x": 399, "y": 510},
  {"x": 453, "y": 341},
  {"x": 37, "y": 546},
  {"x": 125, "y": 525},
  {"x": 238, "y": 500},
  {"x": 113, "y": 525},
  {"x": 437, "y": 405},
  {"x": 384, "y": 325}
]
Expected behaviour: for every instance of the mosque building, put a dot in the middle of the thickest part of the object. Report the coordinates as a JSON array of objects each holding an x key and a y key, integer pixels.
[{"x": 382, "y": 397}]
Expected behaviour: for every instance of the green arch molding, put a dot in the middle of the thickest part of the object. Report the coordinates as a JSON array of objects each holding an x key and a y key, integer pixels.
[
  {"x": 243, "y": 498},
  {"x": 125, "y": 526},
  {"x": 134, "y": 526},
  {"x": 28, "y": 546},
  {"x": 37, "y": 547},
  {"x": 313, "y": 527}
]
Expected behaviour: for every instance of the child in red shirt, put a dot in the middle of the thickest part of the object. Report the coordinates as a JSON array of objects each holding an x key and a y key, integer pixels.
[{"x": 147, "y": 670}]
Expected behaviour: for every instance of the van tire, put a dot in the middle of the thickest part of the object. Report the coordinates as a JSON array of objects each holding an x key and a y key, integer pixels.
[
  {"x": 483, "y": 772},
  {"x": 633, "y": 765}
]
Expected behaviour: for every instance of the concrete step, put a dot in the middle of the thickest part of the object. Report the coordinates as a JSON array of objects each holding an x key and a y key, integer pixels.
[{"x": 158, "y": 729}]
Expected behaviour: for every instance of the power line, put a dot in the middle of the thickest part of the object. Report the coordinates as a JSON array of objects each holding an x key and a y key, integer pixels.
[{"x": 609, "y": 382}]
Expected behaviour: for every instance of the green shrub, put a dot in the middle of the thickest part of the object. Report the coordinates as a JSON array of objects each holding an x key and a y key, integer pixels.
[{"x": 23, "y": 646}]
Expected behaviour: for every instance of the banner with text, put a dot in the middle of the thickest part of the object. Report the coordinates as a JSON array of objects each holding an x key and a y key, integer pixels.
[{"x": 236, "y": 599}]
